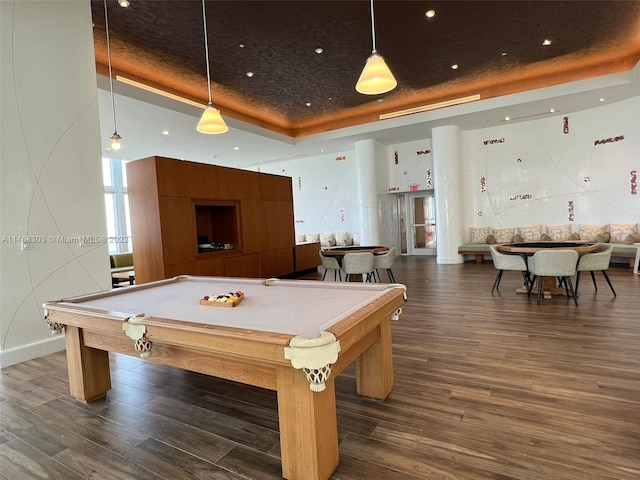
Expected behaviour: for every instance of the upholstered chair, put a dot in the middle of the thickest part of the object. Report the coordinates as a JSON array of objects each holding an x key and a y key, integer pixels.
[
  {"x": 554, "y": 263},
  {"x": 505, "y": 261},
  {"x": 360, "y": 263},
  {"x": 594, "y": 262},
  {"x": 330, "y": 263},
  {"x": 385, "y": 261}
]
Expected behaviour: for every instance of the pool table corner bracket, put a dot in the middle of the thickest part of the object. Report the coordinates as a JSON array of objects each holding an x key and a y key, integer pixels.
[
  {"x": 315, "y": 357},
  {"x": 54, "y": 327},
  {"x": 396, "y": 315},
  {"x": 138, "y": 333}
]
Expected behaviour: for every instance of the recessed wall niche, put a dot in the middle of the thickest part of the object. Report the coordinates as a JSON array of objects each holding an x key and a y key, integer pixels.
[{"x": 217, "y": 225}]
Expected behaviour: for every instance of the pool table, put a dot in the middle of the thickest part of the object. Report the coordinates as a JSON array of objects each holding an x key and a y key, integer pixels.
[{"x": 291, "y": 336}]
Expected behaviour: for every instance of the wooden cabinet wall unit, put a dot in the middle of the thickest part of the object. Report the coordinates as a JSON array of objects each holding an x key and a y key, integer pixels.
[
  {"x": 174, "y": 203},
  {"x": 306, "y": 256}
]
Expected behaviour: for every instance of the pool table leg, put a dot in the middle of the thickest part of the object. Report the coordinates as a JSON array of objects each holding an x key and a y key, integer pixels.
[
  {"x": 374, "y": 368},
  {"x": 89, "y": 375},
  {"x": 308, "y": 427}
]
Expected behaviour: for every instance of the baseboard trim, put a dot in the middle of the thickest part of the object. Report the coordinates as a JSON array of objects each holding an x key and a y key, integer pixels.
[{"x": 23, "y": 353}]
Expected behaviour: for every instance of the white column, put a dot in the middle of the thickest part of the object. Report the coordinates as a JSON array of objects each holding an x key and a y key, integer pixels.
[
  {"x": 366, "y": 151},
  {"x": 447, "y": 170}
]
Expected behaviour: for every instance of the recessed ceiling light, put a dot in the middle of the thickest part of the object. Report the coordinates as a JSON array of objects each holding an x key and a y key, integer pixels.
[
  {"x": 250, "y": 74},
  {"x": 506, "y": 119},
  {"x": 430, "y": 13},
  {"x": 308, "y": 104},
  {"x": 124, "y": 3},
  {"x": 319, "y": 50},
  {"x": 236, "y": 148},
  {"x": 165, "y": 132},
  {"x": 551, "y": 110},
  {"x": 330, "y": 98},
  {"x": 454, "y": 66},
  {"x": 241, "y": 45},
  {"x": 602, "y": 99},
  {"x": 504, "y": 54},
  {"x": 546, "y": 42}
]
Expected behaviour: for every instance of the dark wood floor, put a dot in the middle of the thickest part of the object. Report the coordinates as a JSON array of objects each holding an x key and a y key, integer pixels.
[{"x": 487, "y": 387}]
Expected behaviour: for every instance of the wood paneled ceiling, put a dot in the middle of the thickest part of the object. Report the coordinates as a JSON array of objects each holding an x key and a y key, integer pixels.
[{"x": 497, "y": 45}]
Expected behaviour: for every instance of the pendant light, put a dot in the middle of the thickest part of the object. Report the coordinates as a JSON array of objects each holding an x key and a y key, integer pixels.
[
  {"x": 211, "y": 121},
  {"x": 376, "y": 77},
  {"x": 114, "y": 140}
]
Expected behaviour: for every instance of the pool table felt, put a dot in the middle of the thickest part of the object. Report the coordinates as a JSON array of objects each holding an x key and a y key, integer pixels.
[{"x": 295, "y": 307}]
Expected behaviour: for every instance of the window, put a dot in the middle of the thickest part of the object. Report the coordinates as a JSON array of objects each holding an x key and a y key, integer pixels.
[{"x": 116, "y": 203}]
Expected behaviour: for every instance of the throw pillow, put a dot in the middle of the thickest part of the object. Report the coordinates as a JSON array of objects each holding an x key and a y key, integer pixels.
[
  {"x": 633, "y": 238},
  {"x": 491, "y": 240},
  {"x": 344, "y": 238},
  {"x": 327, "y": 239},
  {"x": 603, "y": 237},
  {"x": 502, "y": 235},
  {"x": 588, "y": 233},
  {"x": 479, "y": 235},
  {"x": 545, "y": 238},
  {"x": 559, "y": 233},
  {"x": 312, "y": 237},
  {"x": 301, "y": 238},
  {"x": 530, "y": 234},
  {"x": 517, "y": 238},
  {"x": 620, "y": 231}
]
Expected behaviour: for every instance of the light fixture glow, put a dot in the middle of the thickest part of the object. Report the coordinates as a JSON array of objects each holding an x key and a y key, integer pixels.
[
  {"x": 114, "y": 139},
  {"x": 430, "y": 13},
  {"x": 250, "y": 74},
  {"x": 157, "y": 91},
  {"x": 432, "y": 106},
  {"x": 165, "y": 132},
  {"x": 211, "y": 122},
  {"x": 454, "y": 66},
  {"x": 124, "y": 3},
  {"x": 376, "y": 77},
  {"x": 319, "y": 50},
  {"x": 546, "y": 42},
  {"x": 506, "y": 119},
  {"x": 114, "y": 142}
]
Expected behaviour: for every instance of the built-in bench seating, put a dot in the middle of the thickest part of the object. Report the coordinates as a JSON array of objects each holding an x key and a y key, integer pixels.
[
  {"x": 480, "y": 251},
  {"x": 621, "y": 236}
]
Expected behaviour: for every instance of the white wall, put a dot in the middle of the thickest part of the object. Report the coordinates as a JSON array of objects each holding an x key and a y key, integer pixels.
[
  {"x": 537, "y": 158},
  {"x": 324, "y": 192},
  {"x": 533, "y": 158},
  {"x": 51, "y": 179}
]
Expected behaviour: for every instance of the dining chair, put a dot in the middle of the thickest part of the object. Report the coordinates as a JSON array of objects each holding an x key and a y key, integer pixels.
[
  {"x": 505, "y": 261},
  {"x": 594, "y": 262},
  {"x": 330, "y": 263},
  {"x": 553, "y": 263},
  {"x": 360, "y": 263},
  {"x": 385, "y": 261}
]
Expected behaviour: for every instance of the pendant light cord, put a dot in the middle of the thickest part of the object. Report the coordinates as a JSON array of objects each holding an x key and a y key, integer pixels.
[
  {"x": 206, "y": 49},
  {"x": 113, "y": 102},
  {"x": 373, "y": 31}
]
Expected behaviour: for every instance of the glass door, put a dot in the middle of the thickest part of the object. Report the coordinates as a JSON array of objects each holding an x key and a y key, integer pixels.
[{"x": 421, "y": 236}]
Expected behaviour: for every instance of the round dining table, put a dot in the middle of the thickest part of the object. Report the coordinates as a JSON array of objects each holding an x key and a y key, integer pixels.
[{"x": 526, "y": 249}]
